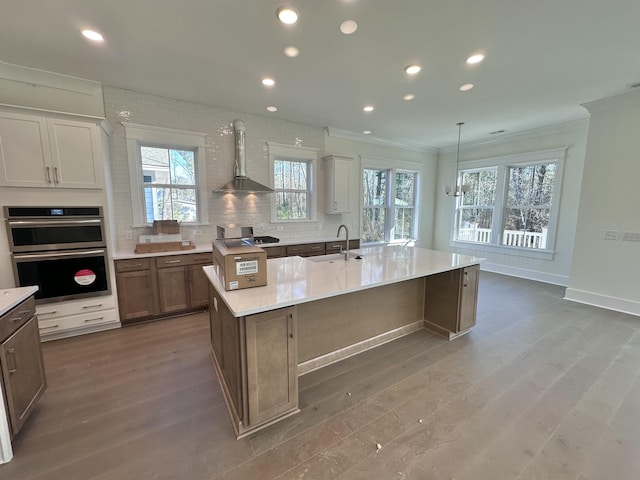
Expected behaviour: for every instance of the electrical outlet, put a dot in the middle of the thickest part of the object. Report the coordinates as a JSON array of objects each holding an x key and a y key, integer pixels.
[
  {"x": 128, "y": 235},
  {"x": 196, "y": 233},
  {"x": 611, "y": 235},
  {"x": 319, "y": 226},
  {"x": 279, "y": 228}
]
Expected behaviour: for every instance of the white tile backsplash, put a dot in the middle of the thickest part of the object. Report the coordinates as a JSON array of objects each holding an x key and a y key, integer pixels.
[{"x": 128, "y": 106}]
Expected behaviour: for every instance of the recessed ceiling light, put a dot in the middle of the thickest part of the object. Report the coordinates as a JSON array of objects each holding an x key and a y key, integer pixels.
[
  {"x": 271, "y": 108},
  {"x": 477, "y": 58},
  {"x": 291, "y": 52},
  {"x": 366, "y": 132},
  {"x": 93, "y": 35},
  {"x": 348, "y": 27},
  {"x": 268, "y": 82},
  {"x": 368, "y": 108},
  {"x": 287, "y": 15},
  {"x": 409, "y": 96},
  {"x": 412, "y": 69},
  {"x": 466, "y": 86}
]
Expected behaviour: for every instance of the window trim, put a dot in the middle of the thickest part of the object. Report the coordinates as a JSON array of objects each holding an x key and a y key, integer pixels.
[
  {"x": 393, "y": 166},
  {"x": 137, "y": 135},
  {"x": 278, "y": 151},
  {"x": 503, "y": 163}
]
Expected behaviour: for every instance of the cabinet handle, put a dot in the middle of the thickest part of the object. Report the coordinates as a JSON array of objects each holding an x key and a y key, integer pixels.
[
  {"x": 466, "y": 278},
  {"x": 291, "y": 332},
  {"x": 11, "y": 353},
  {"x": 87, "y": 320},
  {"x": 134, "y": 265},
  {"x": 55, "y": 174},
  {"x": 20, "y": 315},
  {"x": 49, "y": 327},
  {"x": 48, "y": 170},
  {"x": 97, "y": 305},
  {"x": 52, "y": 312},
  {"x": 172, "y": 261}
]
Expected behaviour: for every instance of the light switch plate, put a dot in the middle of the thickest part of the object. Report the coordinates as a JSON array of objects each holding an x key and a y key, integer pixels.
[{"x": 611, "y": 235}]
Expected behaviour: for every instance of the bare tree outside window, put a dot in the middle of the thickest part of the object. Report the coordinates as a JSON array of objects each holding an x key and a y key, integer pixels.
[{"x": 291, "y": 183}]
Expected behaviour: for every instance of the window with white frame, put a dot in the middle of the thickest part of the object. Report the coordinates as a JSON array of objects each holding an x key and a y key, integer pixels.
[
  {"x": 166, "y": 169},
  {"x": 292, "y": 174},
  {"x": 511, "y": 202},
  {"x": 389, "y": 202}
]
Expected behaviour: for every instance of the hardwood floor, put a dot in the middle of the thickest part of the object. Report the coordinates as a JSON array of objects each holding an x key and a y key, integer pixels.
[{"x": 542, "y": 388}]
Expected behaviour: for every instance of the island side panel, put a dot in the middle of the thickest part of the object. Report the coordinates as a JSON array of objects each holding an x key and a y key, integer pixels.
[{"x": 331, "y": 324}]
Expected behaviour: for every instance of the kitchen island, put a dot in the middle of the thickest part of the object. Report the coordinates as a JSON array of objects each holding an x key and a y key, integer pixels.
[{"x": 317, "y": 311}]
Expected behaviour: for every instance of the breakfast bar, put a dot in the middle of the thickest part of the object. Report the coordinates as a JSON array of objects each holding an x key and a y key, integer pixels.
[{"x": 317, "y": 311}]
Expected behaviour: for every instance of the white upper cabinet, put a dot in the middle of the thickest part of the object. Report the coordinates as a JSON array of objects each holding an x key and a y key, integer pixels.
[
  {"x": 40, "y": 151},
  {"x": 338, "y": 178}
]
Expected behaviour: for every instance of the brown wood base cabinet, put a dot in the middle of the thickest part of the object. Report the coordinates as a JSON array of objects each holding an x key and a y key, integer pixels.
[
  {"x": 22, "y": 375},
  {"x": 256, "y": 360},
  {"x": 450, "y": 301},
  {"x": 149, "y": 288}
]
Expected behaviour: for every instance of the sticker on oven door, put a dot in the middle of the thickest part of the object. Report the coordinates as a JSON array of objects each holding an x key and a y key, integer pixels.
[
  {"x": 246, "y": 267},
  {"x": 84, "y": 277}
]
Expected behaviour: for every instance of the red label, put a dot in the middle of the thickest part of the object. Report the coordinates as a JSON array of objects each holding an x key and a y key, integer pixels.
[{"x": 84, "y": 277}]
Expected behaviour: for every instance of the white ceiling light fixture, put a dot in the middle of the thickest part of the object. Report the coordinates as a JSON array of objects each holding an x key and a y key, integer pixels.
[
  {"x": 412, "y": 69},
  {"x": 409, "y": 96},
  {"x": 92, "y": 35},
  {"x": 476, "y": 58},
  {"x": 457, "y": 189},
  {"x": 291, "y": 52},
  {"x": 368, "y": 108},
  {"x": 466, "y": 87},
  {"x": 268, "y": 82},
  {"x": 348, "y": 27},
  {"x": 287, "y": 15},
  {"x": 272, "y": 109}
]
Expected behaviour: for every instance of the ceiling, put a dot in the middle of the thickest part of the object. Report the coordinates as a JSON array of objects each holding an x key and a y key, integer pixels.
[{"x": 543, "y": 58}]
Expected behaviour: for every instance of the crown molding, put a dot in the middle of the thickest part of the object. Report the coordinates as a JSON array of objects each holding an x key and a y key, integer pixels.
[
  {"x": 616, "y": 101},
  {"x": 34, "y": 76},
  {"x": 359, "y": 137}
]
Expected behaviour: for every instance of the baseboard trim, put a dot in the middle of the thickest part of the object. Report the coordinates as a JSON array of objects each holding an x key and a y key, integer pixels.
[
  {"x": 562, "y": 280},
  {"x": 603, "y": 301},
  {"x": 346, "y": 352}
]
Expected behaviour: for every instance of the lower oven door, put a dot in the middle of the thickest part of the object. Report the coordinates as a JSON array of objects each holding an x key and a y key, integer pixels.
[{"x": 63, "y": 275}]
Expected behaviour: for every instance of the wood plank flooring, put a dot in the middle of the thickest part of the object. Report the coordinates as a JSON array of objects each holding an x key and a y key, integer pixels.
[{"x": 542, "y": 388}]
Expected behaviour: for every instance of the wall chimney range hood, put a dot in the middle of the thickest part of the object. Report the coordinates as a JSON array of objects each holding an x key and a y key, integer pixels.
[{"x": 241, "y": 182}]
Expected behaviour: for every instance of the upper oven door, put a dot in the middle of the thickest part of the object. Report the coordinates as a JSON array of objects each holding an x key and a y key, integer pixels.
[{"x": 37, "y": 235}]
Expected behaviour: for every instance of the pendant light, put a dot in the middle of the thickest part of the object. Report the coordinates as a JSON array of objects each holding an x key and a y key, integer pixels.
[{"x": 456, "y": 190}]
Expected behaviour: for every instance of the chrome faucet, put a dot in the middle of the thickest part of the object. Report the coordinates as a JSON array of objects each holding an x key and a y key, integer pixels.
[{"x": 346, "y": 230}]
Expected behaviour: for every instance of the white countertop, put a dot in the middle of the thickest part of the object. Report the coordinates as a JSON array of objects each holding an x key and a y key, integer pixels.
[
  {"x": 295, "y": 280},
  {"x": 11, "y": 297}
]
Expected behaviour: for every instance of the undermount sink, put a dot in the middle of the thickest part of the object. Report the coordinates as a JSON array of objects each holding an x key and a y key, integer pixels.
[{"x": 334, "y": 257}]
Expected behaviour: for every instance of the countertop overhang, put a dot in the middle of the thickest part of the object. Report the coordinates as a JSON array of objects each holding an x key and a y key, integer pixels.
[
  {"x": 295, "y": 280},
  {"x": 10, "y": 297}
]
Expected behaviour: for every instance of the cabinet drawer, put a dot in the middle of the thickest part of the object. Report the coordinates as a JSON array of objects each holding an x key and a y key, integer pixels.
[
  {"x": 306, "y": 248},
  {"x": 333, "y": 247},
  {"x": 178, "y": 260},
  {"x": 63, "y": 309},
  {"x": 84, "y": 320},
  {"x": 132, "y": 264},
  {"x": 16, "y": 317},
  {"x": 275, "y": 252}
]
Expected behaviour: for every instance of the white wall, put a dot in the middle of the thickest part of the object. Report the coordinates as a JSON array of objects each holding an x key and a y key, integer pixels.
[
  {"x": 428, "y": 161},
  {"x": 605, "y": 272},
  {"x": 571, "y": 135}
]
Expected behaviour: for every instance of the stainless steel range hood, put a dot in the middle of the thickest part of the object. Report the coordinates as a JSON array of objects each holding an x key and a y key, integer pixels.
[{"x": 241, "y": 182}]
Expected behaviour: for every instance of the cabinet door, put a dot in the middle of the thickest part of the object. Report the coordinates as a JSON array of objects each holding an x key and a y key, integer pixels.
[
  {"x": 198, "y": 286},
  {"x": 173, "y": 290},
  {"x": 215, "y": 324},
  {"x": 272, "y": 366},
  {"x": 75, "y": 153},
  {"x": 25, "y": 157},
  {"x": 135, "y": 294},
  {"x": 468, "y": 298},
  {"x": 338, "y": 183},
  {"x": 23, "y": 372}
]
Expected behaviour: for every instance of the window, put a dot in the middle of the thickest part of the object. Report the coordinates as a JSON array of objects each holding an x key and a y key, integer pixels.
[
  {"x": 512, "y": 203},
  {"x": 292, "y": 173},
  {"x": 166, "y": 169},
  {"x": 389, "y": 203}
]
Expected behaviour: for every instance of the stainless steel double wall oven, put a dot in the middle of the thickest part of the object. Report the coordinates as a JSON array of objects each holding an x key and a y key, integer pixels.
[{"x": 63, "y": 250}]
